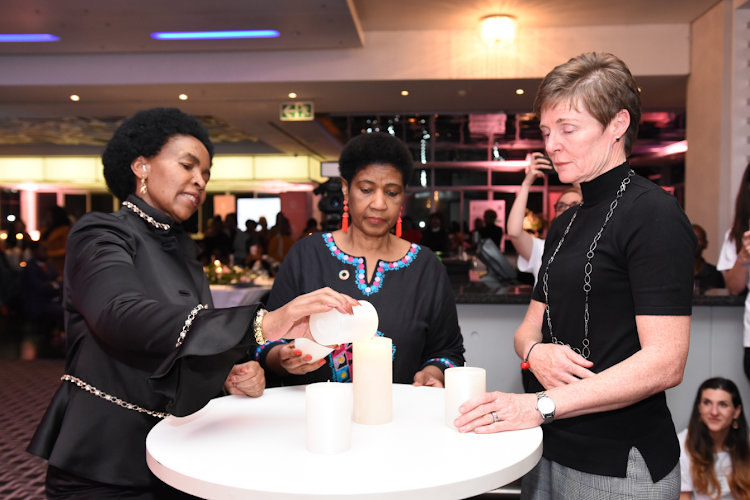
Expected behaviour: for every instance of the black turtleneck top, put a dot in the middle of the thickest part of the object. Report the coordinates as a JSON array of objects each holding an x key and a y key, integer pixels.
[{"x": 643, "y": 265}]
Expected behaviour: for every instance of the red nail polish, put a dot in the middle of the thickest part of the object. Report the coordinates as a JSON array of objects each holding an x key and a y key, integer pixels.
[
  {"x": 308, "y": 357},
  {"x": 297, "y": 352}
]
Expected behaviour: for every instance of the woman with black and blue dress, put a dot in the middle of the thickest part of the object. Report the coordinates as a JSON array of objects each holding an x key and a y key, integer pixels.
[{"x": 407, "y": 284}]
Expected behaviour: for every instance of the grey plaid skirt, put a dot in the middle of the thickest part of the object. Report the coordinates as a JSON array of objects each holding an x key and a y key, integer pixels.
[{"x": 552, "y": 481}]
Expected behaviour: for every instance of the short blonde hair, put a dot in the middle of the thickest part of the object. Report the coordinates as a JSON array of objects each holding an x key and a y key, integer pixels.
[{"x": 598, "y": 82}]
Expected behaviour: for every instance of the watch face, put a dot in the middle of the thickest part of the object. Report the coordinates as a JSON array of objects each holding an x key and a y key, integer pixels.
[{"x": 546, "y": 406}]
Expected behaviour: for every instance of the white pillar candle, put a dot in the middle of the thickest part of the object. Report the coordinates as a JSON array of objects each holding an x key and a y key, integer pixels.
[
  {"x": 328, "y": 419},
  {"x": 373, "y": 381},
  {"x": 461, "y": 384},
  {"x": 334, "y": 327}
]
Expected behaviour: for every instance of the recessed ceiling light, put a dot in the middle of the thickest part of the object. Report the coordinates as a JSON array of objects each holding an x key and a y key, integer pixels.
[
  {"x": 183, "y": 97},
  {"x": 214, "y": 35},
  {"x": 292, "y": 95},
  {"x": 75, "y": 98},
  {"x": 28, "y": 37},
  {"x": 519, "y": 91},
  {"x": 498, "y": 28},
  {"x": 404, "y": 92}
]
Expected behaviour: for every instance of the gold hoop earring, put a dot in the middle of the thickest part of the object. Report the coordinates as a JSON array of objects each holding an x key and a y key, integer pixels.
[{"x": 144, "y": 188}]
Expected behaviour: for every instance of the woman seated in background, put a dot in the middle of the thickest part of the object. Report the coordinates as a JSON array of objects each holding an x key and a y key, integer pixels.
[
  {"x": 714, "y": 449},
  {"x": 407, "y": 284},
  {"x": 140, "y": 322},
  {"x": 529, "y": 248}
]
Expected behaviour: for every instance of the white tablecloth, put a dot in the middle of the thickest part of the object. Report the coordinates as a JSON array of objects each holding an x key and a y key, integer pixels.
[{"x": 231, "y": 296}]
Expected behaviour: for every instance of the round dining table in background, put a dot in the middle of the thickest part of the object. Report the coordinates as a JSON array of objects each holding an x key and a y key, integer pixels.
[
  {"x": 239, "y": 447},
  {"x": 234, "y": 295}
]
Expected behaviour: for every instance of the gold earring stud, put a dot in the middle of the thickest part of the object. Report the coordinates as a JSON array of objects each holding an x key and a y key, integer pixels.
[{"x": 144, "y": 188}]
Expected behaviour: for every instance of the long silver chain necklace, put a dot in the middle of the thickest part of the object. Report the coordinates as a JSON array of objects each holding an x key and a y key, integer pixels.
[{"x": 588, "y": 268}]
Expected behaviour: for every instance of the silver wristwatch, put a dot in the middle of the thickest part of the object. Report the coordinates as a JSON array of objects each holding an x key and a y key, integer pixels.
[{"x": 546, "y": 407}]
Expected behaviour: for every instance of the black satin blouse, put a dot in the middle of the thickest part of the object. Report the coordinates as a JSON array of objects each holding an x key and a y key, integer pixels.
[{"x": 129, "y": 288}]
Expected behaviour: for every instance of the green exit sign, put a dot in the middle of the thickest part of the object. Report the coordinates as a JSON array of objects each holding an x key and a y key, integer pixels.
[{"x": 297, "y": 111}]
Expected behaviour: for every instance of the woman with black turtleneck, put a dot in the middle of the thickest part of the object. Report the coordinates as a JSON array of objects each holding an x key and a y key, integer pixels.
[{"x": 608, "y": 327}]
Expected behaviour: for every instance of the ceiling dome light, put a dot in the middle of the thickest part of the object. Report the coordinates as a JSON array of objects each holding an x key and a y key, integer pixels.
[
  {"x": 497, "y": 28},
  {"x": 75, "y": 98},
  {"x": 214, "y": 35},
  {"x": 292, "y": 95},
  {"x": 28, "y": 37},
  {"x": 183, "y": 97},
  {"x": 404, "y": 92},
  {"x": 519, "y": 91}
]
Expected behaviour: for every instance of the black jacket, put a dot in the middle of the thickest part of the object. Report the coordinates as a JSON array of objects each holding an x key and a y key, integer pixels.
[{"x": 129, "y": 288}]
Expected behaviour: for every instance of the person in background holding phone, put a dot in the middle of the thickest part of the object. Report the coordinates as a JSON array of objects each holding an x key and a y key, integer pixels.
[
  {"x": 734, "y": 258},
  {"x": 529, "y": 248}
]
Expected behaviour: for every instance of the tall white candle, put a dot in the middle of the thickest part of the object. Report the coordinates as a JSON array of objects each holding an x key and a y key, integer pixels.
[
  {"x": 328, "y": 419},
  {"x": 373, "y": 381},
  {"x": 461, "y": 384}
]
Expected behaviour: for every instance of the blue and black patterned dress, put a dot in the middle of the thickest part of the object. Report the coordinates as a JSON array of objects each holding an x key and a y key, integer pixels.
[{"x": 412, "y": 295}]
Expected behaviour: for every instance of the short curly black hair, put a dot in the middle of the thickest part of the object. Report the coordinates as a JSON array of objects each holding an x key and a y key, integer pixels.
[
  {"x": 144, "y": 135},
  {"x": 375, "y": 149}
]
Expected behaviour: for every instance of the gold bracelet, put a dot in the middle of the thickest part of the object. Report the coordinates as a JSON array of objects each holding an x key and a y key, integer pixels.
[{"x": 258, "y": 326}]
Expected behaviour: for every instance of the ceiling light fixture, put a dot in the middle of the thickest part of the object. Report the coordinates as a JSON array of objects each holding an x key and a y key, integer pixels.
[
  {"x": 28, "y": 37},
  {"x": 497, "y": 28},
  {"x": 75, "y": 98},
  {"x": 404, "y": 92},
  {"x": 214, "y": 35},
  {"x": 183, "y": 97},
  {"x": 292, "y": 95},
  {"x": 519, "y": 91}
]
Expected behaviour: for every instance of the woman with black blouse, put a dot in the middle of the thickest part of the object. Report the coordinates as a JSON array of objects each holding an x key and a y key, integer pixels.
[
  {"x": 143, "y": 338},
  {"x": 406, "y": 283},
  {"x": 608, "y": 327}
]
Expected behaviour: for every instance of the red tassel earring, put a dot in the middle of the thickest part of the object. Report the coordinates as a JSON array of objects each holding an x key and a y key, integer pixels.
[
  {"x": 398, "y": 225},
  {"x": 345, "y": 218}
]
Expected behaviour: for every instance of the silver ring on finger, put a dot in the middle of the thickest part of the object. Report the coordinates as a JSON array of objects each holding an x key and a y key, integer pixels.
[{"x": 494, "y": 417}]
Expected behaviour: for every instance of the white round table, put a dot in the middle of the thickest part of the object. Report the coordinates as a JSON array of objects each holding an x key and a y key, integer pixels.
[{"x": 239, "y": 447}]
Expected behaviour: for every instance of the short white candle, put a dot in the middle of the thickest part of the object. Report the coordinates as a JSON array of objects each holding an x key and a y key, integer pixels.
[
  {"x": 334, "y": 327},
  {"x": 372, "y": 362},
  {"x": 329, "y": 418},
  {"x": 461, "y": 384}
]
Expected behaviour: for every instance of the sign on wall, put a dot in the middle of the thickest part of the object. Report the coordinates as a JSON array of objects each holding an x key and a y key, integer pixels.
[{"x": 297, "y": 111}]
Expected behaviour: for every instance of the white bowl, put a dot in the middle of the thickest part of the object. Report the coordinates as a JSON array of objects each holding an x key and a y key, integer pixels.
[
  {"x": 317, "y": 351},
  {"x": 333, "y": 327}
]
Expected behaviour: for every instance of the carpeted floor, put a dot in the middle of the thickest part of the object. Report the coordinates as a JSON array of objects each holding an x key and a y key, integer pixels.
[{"x": 25, "y": 391}]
